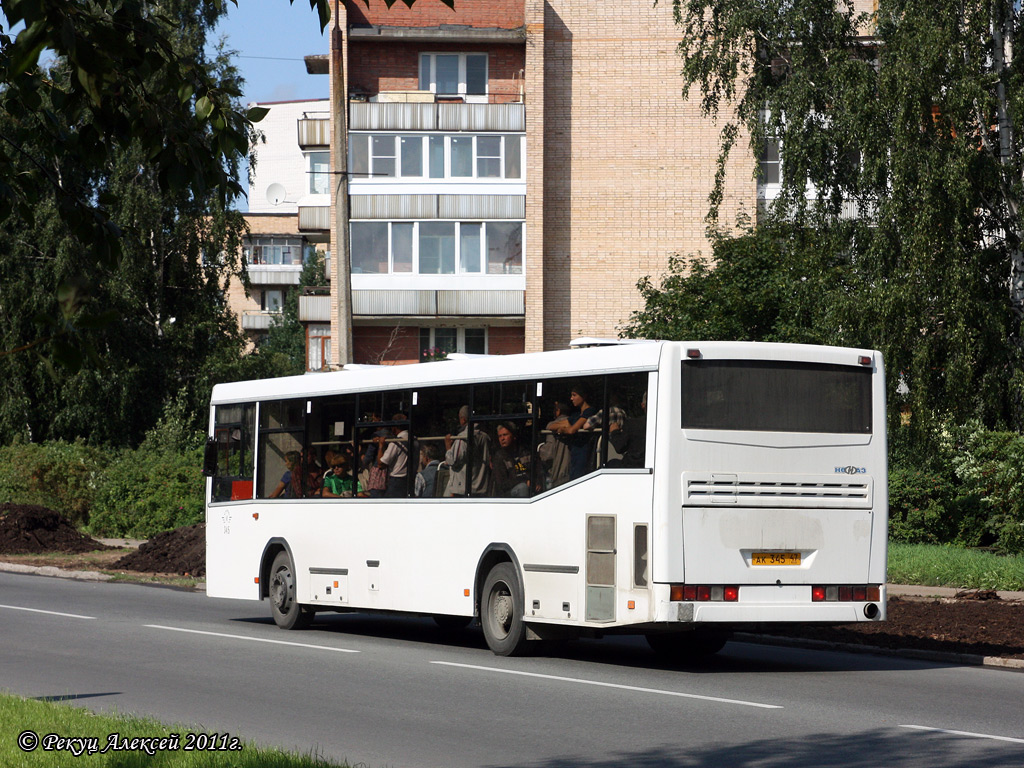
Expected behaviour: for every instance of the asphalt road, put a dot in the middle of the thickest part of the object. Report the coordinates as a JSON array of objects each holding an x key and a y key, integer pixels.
[{"x": 400, "y": 692}]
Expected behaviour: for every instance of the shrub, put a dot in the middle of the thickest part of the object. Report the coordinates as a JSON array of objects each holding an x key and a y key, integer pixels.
[
  {"x": 59, "y": 475},
  {"x": 144, "y": 493}
]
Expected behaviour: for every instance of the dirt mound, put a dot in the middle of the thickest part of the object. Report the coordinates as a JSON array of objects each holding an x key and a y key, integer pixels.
[
  {"x": 31, "y": 529},
  {"x": 181, "y": 551},
  {"x": 982, "y": 627}
]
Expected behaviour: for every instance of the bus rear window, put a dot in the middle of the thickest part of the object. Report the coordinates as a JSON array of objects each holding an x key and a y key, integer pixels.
[{"x": 776, "y": 396}]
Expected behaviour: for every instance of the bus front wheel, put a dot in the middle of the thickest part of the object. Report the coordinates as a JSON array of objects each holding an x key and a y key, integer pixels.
[
  {"x": 501, "y": 612},
  {"x": 288, "y": 613}
]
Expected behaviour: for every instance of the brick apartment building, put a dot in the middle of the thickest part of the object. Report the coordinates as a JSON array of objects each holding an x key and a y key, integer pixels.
[{"x": 513, "y": 168}]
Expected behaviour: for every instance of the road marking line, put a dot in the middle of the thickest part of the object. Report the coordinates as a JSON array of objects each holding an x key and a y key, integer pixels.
[
  {"x": 963, "y": 733},
  {"x": 612, "y": 685},
  {"x": 253, "y": 639},
  {"x": 51, "y": 613}
]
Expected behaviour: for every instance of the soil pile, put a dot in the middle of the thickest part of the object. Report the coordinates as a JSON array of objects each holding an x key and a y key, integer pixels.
[
  {"x": 181, "y": 551},
  {"x": 31, "y": 529},
  {"x": 973, "y": 625}
]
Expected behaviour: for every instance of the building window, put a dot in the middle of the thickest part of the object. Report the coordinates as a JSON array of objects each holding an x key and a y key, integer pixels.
[
  {"x": 465, "y": 156},
  {"x": 272, "y": 300},
  {"x": 286, "y": 251},
  {"x": 454, "y": 74},
  {"x": 471, "y": 341},
  {"x": 318, "y": 346},
  {"x": 319, "y": 173},
  {"x": 769, "y": 162},
  {"x": 437, "y": 247}
]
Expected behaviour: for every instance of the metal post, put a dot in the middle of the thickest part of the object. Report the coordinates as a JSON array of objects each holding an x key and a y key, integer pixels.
[{"x": 342, "y": 277}]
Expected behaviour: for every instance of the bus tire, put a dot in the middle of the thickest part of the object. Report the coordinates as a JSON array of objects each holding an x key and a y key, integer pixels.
[
  {"x": 288, "y": 613},
  {"x": 501, "y": 612},
  {"x": 686, "y": 646}
]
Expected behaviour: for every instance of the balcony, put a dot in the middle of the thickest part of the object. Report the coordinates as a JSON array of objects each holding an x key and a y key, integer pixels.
[
  {"x": 436, "y": 116},
  {"x": 419, "y": 303},
  {"x": 274, "y": 274},
  {"x": 314, "y": 218},
  {"x": 257, "y": 320},
  {"x": 314, "y": 130}
]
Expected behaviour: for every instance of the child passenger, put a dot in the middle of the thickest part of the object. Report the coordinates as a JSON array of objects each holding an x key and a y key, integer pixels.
[{"x": 339, "y": 483}]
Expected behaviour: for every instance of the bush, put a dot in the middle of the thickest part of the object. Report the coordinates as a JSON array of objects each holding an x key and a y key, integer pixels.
[
  {"x": 58, "y": 475},
  {"x": 144, "y": 493}
]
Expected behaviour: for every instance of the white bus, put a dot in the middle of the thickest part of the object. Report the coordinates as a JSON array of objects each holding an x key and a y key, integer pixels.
[{"x": 709, "y": 486}]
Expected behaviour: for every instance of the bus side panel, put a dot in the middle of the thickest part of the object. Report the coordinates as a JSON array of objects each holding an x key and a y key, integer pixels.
[{"x": 234, "y": 546}]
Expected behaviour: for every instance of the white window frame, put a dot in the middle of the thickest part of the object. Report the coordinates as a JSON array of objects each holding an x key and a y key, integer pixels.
[
  {"x": 460, "y": 337},
  {"x": 324, "y": 176},
  {"x": 505, "y": 138},
  {"x": 457, "y": 233},
  {"x": 428, "y": 74}
]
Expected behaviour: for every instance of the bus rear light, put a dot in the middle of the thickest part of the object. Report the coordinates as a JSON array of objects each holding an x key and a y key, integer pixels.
[
  {"x": 704, "y": 593},
  {"x": 693, "y": 354},
  {"x": 864, "y": 360},
  {"x": 845, "y": 594}
]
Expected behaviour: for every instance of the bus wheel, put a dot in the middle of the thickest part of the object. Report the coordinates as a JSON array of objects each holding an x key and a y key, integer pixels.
[
  {"x": 446, "y": 622},
  {"x": 694, "y": 644},
  {"x": 286, "y": 610},
  {"x": 501, "y": 612}
]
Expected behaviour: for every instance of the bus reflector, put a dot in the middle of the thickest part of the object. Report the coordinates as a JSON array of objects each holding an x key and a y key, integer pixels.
[
  {"x": 255, "y": 515},
  {"x": 465, "y": 593},
  {"x": 631, "y": 604},
  {"x": 256, "y": 580}
]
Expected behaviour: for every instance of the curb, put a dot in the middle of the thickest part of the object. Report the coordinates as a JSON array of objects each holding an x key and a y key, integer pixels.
[{"x": 61, "y": 573}]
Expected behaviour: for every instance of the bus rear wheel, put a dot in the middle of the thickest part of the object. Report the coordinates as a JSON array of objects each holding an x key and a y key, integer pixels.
[
  {"x": 691, "y": 645},
  {"x": 501, "y": 612},
  {"x": 288, "y": 613}
]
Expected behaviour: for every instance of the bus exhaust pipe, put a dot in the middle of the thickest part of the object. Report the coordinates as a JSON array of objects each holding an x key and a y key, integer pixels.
[{"x": 871, "y": 611}]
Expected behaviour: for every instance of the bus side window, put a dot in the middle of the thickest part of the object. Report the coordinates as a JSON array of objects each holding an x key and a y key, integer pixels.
[
  {"x": 282, "y": 428},
  {"x": 233, "y": 437},
  {"x": 626, "y": 423}
]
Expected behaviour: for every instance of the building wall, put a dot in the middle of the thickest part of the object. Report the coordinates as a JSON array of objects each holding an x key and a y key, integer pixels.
[
  {"x": 485, "y": 14},
  {"x": 280, "y": 160},
  {"x": 505, "y": 340},
  {"x": 259, "y": 224},
  {"x": 394, "y": 66},
  {"x": 628, "y": 164}
]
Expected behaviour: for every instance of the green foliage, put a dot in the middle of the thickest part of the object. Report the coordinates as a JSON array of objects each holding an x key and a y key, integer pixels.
[
  {"x": 143, "y": 493},
  {"x": 61, "y": 476},
  {"x": 951, "y": 566},
  {"x": 18, "y": 715}
]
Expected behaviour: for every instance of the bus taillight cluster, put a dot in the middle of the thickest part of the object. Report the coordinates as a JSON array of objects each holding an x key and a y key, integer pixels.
[
  {"x": 702, "y": 593},
  {"x": 853, "y": 594}
]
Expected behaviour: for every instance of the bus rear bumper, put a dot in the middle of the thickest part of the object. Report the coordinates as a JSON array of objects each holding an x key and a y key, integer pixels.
[{"x": 739, "y": 613}]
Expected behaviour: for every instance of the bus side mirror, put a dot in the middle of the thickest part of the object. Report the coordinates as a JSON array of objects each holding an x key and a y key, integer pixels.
[{"x": 210, "y": 458}]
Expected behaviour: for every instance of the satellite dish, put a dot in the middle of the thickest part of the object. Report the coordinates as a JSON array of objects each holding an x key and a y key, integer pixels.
[{"x": 276, "y": 193}]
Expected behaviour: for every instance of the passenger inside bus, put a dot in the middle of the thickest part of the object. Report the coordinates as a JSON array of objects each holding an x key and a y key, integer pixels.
[
  {"x": 580, "y": 445},
  {"x": 284, "y": 487},
  {"x": 513, "y": 465},
  {"x": 457, "y": 455}
]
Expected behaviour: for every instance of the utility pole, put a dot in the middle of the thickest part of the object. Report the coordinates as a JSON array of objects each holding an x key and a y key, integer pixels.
[{"x": 341, "y": 258}]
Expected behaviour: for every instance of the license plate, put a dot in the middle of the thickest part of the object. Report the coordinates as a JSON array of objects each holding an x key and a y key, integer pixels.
[{"x": 775, "y": 558}]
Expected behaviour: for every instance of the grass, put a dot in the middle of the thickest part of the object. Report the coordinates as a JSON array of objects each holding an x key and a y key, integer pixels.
[
  {"x": 19, "y": 715},
  {"x": 935, "y": 565}
]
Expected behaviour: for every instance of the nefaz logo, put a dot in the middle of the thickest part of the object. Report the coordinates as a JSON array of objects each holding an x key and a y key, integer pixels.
[{"x": 851, "y": 470}]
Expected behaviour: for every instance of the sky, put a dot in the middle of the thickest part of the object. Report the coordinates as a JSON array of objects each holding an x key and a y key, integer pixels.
[{"x": 271, "y": 38}]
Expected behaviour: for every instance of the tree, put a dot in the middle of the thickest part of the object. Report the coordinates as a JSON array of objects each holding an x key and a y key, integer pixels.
[
  {"x": 144, "y": 322},
  {"x": 125, "y": 84},
  {"x": 905, "y": 122}
]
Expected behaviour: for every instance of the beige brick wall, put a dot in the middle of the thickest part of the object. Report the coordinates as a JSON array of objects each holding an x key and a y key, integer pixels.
[
  {"x": 259, "y": 224},
  {"x": 627, "y": 165}
]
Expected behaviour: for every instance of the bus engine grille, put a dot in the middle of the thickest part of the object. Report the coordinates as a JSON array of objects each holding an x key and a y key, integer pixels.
[{"x": 762, "y": 490}]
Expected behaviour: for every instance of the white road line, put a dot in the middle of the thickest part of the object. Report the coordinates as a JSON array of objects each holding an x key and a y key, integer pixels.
[
  {"x": 253, "y": 639},
  {"x": 51, "y": 613},
  {"x": 612, "y": 685},
  {"x": 963, "y": 733}
]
